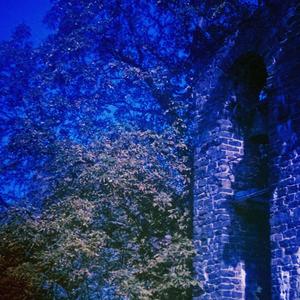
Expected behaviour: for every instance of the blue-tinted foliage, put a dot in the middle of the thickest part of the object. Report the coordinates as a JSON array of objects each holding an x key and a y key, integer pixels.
[{"x": 105, "y": 64}]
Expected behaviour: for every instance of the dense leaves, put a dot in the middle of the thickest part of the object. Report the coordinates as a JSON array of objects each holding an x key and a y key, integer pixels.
[
  {"x": 97, "y": 128},
  {"x": 116, "y": 218},
  {"x": 105, "y": 63}
]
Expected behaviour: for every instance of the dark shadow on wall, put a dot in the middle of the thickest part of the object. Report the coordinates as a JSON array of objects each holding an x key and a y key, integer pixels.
[{"x": 249, "y": 231}]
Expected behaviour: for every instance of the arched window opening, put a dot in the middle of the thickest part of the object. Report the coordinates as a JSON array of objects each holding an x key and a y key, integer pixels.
[{"x": 250, "y": 116}]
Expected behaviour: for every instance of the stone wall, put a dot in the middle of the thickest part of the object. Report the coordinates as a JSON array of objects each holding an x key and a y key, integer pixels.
[
  {"x": 285, "y": 143},
  {"x": 246, "y": 195}
]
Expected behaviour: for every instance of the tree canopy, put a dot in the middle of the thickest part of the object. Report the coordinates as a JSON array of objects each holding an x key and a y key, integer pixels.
[
  {"x": 116, "y": 217},
  {"x": 97, "y": 126}
]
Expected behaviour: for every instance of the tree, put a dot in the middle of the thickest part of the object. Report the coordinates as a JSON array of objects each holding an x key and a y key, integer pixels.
[
  {"x": 119, "y": 202},
  {"x": 106, "y": 63},
  {"x": 117, "y": 217}
]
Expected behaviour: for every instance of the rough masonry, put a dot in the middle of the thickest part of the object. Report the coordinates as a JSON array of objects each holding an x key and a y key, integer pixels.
[{"x": 246, "y": 221}]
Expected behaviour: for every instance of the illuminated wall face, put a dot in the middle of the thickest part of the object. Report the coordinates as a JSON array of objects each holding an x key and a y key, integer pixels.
[
  {"x": 232, "y": 219},
  {"x": 247, "y": 166}
]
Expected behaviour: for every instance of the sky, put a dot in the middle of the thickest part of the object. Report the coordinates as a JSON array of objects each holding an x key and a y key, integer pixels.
[{"x": 31, "y": 12}]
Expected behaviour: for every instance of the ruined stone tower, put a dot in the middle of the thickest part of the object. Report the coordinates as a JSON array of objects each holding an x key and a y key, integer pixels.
[{"x": 247, "y": 165}]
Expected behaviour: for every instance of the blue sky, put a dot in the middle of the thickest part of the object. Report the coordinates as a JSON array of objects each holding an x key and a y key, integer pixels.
[{"x": 31, "y": 12}]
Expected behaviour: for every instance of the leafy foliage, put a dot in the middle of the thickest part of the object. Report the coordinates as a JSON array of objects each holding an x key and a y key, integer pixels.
[
  {"x": 90, "y": 211},
  {"x": 116, "y": 217},
  {"x": 105, "y": 63}
]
